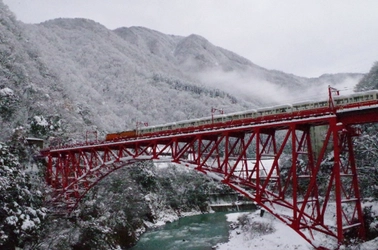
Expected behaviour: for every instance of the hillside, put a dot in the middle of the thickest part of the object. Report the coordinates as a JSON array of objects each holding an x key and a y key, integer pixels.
[
  {"x": 68, "y": 76},
  {"x": 63, "y": 77},
  {"x": 370, "y": 80}
]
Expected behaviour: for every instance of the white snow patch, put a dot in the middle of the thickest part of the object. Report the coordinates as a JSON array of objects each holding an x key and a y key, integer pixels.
[
  {"x": 27, "y": 224},
  {"x": 283, "y": 237},
  {"x": 6, "y": 92},
  {"x": 11, "y": 220},
  {"x": 41, "y": 120}
]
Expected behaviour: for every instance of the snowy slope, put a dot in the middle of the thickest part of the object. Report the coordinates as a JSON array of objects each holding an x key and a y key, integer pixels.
[{"x": 80, "y": 74}]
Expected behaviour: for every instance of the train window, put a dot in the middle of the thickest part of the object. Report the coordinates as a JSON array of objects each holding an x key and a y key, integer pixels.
[
  {"x": 341, "y": 101},
  {"x": 298, "y": 107},
  {"x": 320, "y": 104}
]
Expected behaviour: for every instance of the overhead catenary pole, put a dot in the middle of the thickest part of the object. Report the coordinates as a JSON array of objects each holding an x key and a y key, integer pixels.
[
  {"x": 213, "y": 110},
  {"x": 330, "y": 99},
  {"x": 139, "y": 124}
]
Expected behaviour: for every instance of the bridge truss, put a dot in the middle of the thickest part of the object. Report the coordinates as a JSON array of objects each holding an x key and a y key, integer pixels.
[{"x": 314, "y": 181}]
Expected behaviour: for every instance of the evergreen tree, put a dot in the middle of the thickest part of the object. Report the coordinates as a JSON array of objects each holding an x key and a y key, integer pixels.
[
  {"x": 369, "y": 81},
  {"x": 21, "y": 211}
]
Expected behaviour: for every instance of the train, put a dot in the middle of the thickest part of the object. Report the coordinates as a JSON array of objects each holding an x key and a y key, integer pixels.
[{"x": 276, "y": 113}]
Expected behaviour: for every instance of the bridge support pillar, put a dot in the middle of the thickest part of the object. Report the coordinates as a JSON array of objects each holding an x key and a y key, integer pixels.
[
  {"x": 274, "y": 164},
  {"x": 349, "y": 216}
]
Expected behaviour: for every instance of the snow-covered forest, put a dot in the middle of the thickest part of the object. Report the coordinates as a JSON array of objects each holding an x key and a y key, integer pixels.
[
  {"x": 64, "y": 77},
  {"x": 76, "y": 75}
]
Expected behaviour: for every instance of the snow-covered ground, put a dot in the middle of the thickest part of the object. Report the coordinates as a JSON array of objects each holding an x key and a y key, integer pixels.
[
  {"x": 277, "y": 235},
  {"x": 248, "y": 230},
  {"x": 282, "y": 236}
]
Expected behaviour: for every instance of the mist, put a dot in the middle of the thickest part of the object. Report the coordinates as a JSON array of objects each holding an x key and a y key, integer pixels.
[{"x": 258, "y": 90}]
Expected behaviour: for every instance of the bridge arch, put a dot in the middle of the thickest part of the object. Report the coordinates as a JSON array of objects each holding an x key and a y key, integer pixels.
[
  {"x": 68, "y": 192},
  {"x": 294, "y": 195}
]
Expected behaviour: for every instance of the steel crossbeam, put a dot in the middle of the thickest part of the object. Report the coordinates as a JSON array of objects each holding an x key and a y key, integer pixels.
[{"x": 277, "y": 165}]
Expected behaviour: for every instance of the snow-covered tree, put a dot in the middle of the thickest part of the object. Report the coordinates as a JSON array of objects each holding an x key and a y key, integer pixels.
[
  {"x": 370, "y": 80},
  {"x": 43, "y": 127},
  {"x": 8, "y": 103},
  {"x": 21, "y": 211},
  {"x": 366, "y": 155},
  {"x": 366, "y": 145}
]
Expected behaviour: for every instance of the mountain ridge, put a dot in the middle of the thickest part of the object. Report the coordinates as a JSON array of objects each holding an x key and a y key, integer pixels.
[{"x": 80, "y": 74}]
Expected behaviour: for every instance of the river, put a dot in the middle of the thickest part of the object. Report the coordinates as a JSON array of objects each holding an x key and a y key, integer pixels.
[{"x": 198, "y": 232}]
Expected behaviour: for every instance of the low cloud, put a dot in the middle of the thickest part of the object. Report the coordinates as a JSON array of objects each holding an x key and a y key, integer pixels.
[{"x": 264, "y": 93}]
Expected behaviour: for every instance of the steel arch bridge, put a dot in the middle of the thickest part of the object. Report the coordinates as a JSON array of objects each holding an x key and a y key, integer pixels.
[{"x": 320, "y": 179}]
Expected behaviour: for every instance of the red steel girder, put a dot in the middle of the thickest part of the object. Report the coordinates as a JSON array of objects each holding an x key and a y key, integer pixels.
[{"x": 300, "y": 193}]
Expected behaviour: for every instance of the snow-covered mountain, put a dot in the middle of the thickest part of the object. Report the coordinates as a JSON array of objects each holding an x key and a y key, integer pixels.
[{"x": 74, "y": 75}]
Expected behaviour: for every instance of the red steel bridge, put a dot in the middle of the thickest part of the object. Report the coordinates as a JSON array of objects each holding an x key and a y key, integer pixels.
[{"x": 314, "y": 192}]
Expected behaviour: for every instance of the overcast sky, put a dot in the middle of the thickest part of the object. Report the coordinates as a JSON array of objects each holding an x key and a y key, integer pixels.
[{"x": 303, "y": 37}]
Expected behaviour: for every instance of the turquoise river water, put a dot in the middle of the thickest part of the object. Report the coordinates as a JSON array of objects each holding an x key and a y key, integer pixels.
[{"x": 198, "y": 232}]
